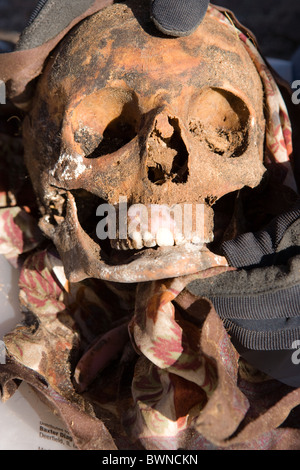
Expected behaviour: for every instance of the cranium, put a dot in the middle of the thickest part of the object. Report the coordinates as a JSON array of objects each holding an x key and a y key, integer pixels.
[{"x": 121, "y": 111}]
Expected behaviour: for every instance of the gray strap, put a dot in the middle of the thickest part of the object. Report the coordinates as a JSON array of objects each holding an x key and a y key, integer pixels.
[
  {"x": 281, "y": 303},
  {"x": 259, "y": 340},
  {"x": 259, "y": 248},
  {"x": 48, "y": 19},
  {"x": 178, "y": 17}
]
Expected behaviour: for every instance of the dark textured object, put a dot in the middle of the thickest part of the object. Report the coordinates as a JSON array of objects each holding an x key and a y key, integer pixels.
[
  {"x": 48, "y": 19},
  {"x": 260, "y": 306},
  {"x": 253, "y": 249},
  {"x": 178, "y": 18}
]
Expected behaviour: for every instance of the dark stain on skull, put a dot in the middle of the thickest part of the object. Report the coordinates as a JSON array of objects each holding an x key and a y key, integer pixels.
[{"x": 217, "y": 55}]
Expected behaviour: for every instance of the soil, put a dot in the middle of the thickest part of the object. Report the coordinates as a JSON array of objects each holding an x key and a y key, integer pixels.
[{"x": 274, "y": 23}]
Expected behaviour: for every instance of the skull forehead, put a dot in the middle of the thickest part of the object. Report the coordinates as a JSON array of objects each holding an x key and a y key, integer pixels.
[{"x": 112, "y": 48}]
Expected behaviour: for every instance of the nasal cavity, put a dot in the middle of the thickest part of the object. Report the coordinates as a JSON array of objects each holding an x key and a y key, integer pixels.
[{"x": 167, "y": 153}]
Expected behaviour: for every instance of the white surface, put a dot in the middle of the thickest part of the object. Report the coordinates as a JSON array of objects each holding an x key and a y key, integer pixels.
[
  {"x": 9, "y": 304},
  {"x": 30, "y": 425},
  {"x": 26, "y": 422}
]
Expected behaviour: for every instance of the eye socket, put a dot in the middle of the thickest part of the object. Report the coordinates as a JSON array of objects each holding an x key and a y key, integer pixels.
[
  {"x": 117, "y": 134},
  {"x": 105, "y": 121},
  {"x": 220, "y": 119}
]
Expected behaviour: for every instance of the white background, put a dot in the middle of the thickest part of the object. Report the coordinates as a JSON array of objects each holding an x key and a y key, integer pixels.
[{"x": 24, "y": 418}]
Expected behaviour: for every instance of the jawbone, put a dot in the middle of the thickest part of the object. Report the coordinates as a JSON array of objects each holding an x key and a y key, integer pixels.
[{"x": 127, "y": 261}]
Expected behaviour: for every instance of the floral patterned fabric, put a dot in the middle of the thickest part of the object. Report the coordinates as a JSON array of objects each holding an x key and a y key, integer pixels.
[{"x": 169, "y": 376}]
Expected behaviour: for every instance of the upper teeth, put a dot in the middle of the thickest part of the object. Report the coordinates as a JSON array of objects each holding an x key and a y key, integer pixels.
[
  {"x": 164, "y": 237},
  {"x": 148, "y": 239},
  {"x": 137, "y": 240},
  {"x": 163, "y": 232}
]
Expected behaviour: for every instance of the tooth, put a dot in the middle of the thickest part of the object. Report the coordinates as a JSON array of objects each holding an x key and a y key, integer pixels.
[
  {"x": 115, "y": 244},
  {"x": 164, "y": 237},
  {"x": 129, "y": 244},
  {"x": 196, "y": 240},
  {"x": 147, "y": 236},
  {"x": 179, "y": 239},
  {"x": 148, "y": 239},
  {"x": 137, "y": 241},
  {"x": 124, "y": 245}
]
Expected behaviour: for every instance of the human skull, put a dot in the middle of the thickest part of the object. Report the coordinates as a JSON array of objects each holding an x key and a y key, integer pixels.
[{"x": 122, "y": 112}]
